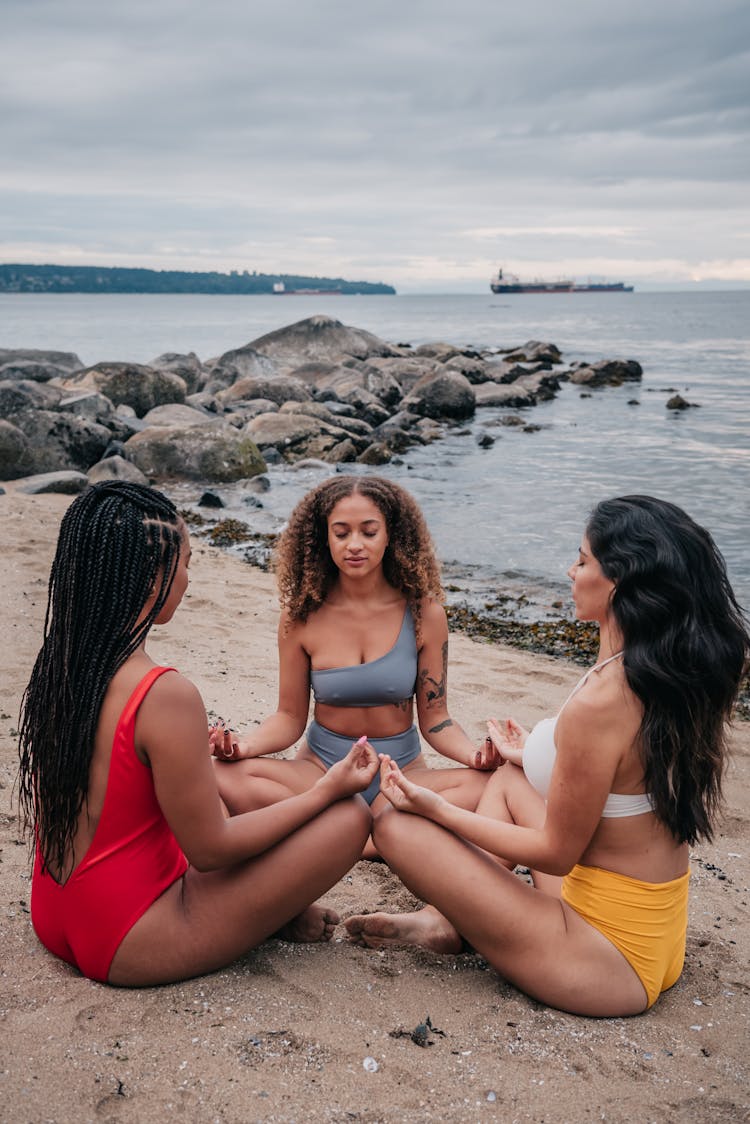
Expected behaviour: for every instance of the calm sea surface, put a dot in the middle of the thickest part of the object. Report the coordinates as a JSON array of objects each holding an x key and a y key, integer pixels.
[{"x": 508, "y": 517}]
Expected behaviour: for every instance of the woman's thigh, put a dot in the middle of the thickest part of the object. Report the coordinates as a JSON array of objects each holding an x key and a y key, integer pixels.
[
  {"x": 257, "y": 782},
  {"x": 460, "y": 786},
  {"x": 531, "y": 937},
  {"x": 204, "y": 921}
]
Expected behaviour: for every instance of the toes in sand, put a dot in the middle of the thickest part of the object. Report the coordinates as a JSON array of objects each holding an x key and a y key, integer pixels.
[
  {"x": 426, "y": 928},
  {"x": 314, "y": 924}
]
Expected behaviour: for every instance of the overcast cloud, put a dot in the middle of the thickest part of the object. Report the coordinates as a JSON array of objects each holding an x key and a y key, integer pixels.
[{"x": 419, "y": 143}]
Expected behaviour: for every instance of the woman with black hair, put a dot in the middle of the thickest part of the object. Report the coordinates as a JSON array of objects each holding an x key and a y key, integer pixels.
[
  {"x": 602, "y": 801},
  {"x": 140, "y": 877}
]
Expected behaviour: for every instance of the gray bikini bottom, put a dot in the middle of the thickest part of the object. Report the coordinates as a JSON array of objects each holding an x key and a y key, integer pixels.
[{"x": 331, "y": 747}]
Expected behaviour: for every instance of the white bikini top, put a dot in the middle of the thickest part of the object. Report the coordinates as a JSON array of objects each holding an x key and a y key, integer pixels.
[{"x": 540, "y": 751}]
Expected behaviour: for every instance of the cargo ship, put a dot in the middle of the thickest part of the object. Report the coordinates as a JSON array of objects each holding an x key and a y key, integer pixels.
[{"x": 512, "y": 284}]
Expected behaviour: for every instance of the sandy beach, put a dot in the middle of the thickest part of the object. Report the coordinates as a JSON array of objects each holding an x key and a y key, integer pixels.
[{"x": 282, "y": 1035}]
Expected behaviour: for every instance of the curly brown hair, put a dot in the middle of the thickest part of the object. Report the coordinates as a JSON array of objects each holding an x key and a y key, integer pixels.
[{"x": 305, "y": 570}]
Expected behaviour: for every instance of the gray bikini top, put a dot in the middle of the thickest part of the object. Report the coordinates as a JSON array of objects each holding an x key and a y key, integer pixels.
[{"x": 389, "y": 679}]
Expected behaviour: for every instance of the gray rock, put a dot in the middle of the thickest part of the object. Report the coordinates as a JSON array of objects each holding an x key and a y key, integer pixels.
[
  {"x": 39, "y": 366},
  {"x": 374, "y": 454},
  {"x": 211, "y": 499},
  {"x": 504, "y": 394},
  {"x": 474, "y": 369},
  {"x": 677, "y": 402},
  {"x": 278, "y": 390},
  {"x": 342, "y": 453},
  {"x": 89, "y": 405},
  {"x": 240, "y": 363},
  {"x": 178, "y": 414},
  {"x": 440, "y": 351},
  {"x": 16, "y": 456},
  {"x": 63, "y": 483},
  {"x": 445, "y": 395},
  {"x": 407, "y": 371},
  {"x": 293, "y": 433},
  {"x": 63, "y": 441},
  {"x": 608, "y": 372},
  {"x": 136, "y": 385},
  {"x": 115, "y": 467},
  {"x": 535, "y": 351},
  {"x": 217, "y": 454},
  {"x": 25, "y": 394},
  {"x": 321, "y": 339},
  {"x": 188, "y": 367}
]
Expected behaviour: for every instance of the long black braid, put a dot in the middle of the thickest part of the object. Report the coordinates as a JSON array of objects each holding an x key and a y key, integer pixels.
[{"x": 119, "y": 542}]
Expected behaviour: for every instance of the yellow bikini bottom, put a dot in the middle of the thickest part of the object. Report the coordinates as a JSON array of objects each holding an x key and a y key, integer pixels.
[{"x": 645, "y": 921}]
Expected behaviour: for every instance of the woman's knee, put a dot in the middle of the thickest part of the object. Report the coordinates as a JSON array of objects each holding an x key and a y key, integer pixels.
[
  {"x": 389, "y": 829},
  {"x": 352, "y": 816}
]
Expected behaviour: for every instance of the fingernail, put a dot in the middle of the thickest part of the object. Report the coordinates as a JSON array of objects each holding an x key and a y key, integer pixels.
[{"x": 362, "y": 740}]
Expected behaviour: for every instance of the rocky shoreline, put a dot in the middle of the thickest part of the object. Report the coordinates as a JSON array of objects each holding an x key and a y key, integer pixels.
[{"x": 315, "y": 389}]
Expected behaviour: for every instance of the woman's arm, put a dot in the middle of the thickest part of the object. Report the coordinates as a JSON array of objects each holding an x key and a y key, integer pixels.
[
  {"x": 282, "y": 728},
  {"x": 588, "y": 751},
  {"x": 170, "y": 733},
  {"x": 435, "y": 723}
]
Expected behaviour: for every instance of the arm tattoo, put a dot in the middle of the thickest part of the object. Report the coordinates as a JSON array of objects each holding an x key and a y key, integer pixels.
[
  {"x": 440, "y": 726},
  {"x": 435, "y": 694}
]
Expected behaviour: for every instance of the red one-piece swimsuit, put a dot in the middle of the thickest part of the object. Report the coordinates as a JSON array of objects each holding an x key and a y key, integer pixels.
[{"x": 132, "y": 860}]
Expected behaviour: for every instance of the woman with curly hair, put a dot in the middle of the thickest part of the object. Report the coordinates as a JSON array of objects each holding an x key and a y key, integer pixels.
[
  {"x": 139, "y": 876},
  {"x": 603, "y": 801},
  {"x": 363, "y": 627}
]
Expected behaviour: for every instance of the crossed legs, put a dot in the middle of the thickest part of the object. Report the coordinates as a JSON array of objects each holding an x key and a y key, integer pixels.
[
  {"x": 204, "y": 921},
  {"x": 530, "y": 936}
]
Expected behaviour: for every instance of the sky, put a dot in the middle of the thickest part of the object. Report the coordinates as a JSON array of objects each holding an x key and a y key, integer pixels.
[{"x": 423, "y": 143}]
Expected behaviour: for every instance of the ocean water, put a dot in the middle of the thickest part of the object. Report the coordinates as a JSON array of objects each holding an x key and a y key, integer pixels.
[{"x": 508, "y": 517}]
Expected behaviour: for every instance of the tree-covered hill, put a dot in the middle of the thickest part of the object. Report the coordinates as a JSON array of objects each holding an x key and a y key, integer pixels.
[{"x": 16, "y": 278}]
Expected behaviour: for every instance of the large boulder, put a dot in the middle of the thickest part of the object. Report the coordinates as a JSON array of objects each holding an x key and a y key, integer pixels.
[
  {"x": 278, "y": 390},
  {"x": 134, "y": 384},
  {"x": 407, "y": 371},
  {"x": 25, "y": 394},
  {"x": 40, "y": 366},
  {"x": 218, "y": 454},
  {"x": 319, "y": 338},
  {"x": 177, "y": 413},
  {"x": 535, "y": 351},
  {"x": 89, "y": 404},
  {"x": 63, "y": 441},
  {"x": 240, "y": 363},
  {"x": 188, "y": 367},
  {"x": 448, "y": 394},
  {"x": 16, "y": 456},
  {"x": 116, "y": 468},
  {"x": 297, "y": 435}
]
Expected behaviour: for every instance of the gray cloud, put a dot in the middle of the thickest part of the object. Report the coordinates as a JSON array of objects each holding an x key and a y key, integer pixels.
[{"x": 419, "y": 143}]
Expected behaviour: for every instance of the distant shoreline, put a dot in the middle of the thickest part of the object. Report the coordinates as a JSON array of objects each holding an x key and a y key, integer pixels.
[{"x": 27, "y": 278}]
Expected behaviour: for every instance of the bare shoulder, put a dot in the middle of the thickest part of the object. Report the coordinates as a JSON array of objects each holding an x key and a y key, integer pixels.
[
  {"x": 175, "y": 691},
  {"x": 432, "y": 614},
  {"x": 605, "y": 709}
]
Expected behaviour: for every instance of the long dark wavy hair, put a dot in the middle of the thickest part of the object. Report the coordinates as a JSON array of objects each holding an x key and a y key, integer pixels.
[
  {"x": 118, "y": 543},
  {"x": 686, "y": 646},
  {"x": 305, "y": 571}
]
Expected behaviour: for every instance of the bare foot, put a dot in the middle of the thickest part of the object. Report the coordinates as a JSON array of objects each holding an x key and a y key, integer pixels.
[
  {"x": 426, "y": 928},
  {"x": 316, "y": 923}
]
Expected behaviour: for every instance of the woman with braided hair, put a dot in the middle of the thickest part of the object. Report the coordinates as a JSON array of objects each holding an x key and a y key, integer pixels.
[
  {"x": 363, "y": 627},
  {"x": 140, "y": 877}
]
